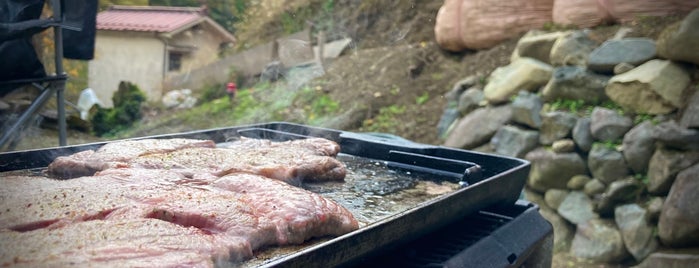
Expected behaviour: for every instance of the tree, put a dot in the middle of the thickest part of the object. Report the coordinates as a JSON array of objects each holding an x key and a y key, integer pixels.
[{"x": 224, "y": 12}]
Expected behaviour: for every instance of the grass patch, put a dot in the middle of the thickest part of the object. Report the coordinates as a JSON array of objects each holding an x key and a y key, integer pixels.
[
  {"x": 420, "y": 100},
  {"x": 385, "y": 120}
]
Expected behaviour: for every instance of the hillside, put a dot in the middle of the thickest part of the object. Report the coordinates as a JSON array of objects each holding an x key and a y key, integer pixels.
[{"x": 393, "y": 64}]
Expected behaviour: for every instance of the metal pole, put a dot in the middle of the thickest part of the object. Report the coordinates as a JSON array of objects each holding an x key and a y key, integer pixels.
[
  {"x": 36, "y": 104},
  {"x": 60, "y": 84}
]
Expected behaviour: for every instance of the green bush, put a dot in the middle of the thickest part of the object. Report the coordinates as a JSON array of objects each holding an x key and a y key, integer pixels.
[{"x": 127, "y": 110}]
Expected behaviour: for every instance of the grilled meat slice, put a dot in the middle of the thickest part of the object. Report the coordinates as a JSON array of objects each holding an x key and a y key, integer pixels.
[
  {"x": 28, "y": 203},
  {"x": 319, "y": 146},
  {"x": 111, "y": 243},
  {"x": 116, "y": 154},
  {"x": 297, "y": 214},
  {"x": 291, "y": 161},
  {"x": 291, "y": 165},
  {"x": 240, "y": 212}
]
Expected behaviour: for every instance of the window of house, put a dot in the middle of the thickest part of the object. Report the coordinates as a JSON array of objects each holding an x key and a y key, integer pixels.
[{"x": 175, "y": 61}]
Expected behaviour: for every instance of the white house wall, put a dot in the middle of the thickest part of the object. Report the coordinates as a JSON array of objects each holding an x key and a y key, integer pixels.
[
  {"x": 126, "y": 56},
  {"x": 206, "y": 44}
]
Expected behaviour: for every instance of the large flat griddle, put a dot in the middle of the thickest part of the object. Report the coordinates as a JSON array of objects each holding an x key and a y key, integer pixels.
[{"x": 482, "y": 180}]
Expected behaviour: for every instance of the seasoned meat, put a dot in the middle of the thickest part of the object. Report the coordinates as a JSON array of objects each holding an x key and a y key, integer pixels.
[
  {"x": 291, "y": 161},
  {"x": 112, "y": 243},
  {"x": 319, "y": 146},
  {"x": 285, "y": 164},
  {"x": 116, "y": 154},
  {"x": 297, "y": 214},
  {"x": 239, "y": 212},
  {"x": 28, "y": 203}
]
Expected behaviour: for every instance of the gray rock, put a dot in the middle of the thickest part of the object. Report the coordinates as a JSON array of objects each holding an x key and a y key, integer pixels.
[
  {"x": 522, "y": 74},
  {"x": 594, "y": 187},
  {"x": 608, "y": 125},
  {"x": 582, "y": 135},
  {"x": 578, "y": 182},
  {"x": 535, "y": 197},
  {"x": 4, "y": 106},
  {"x": 612, "y": 52},
  {"x": 478, "y": 127},
  {"x": 563, "y": 146},
  {"x": 636, "y": 231},
  {"x": 623, "y": 67},
  {"x": 606, "y": 164},
  {"x": 562, "y": 230},
  {"x": 537, "y": 46},
  {"x": 461, "y": 86},
  {"x": 598, "y": 240},
  {"x": 638, "y": 147},
  {"x": 577, "y": 208},
  {"x": 551, "y": 170},
  {"x": 654, "y": 208},
  {"x": 690, "y": 116},
  {"x": 575, "y": 83},
  {"x": 273, "y": 71},
  {"x": 572, "y": 49},
  {"x": 672, "y": 258},
  {"x": 554, "y": 197},
  {"x": 514, "y": 142},
  {"x": 556, "y": 125},
  {"x": 664, "y": 166},
  {"x": 679, "y": 220},
  {"x": 448, "y": 118},
  {"x": 619, "y": 192},
  {"x": 656, "y": 87},
  {"x": 485, "y": 148},
  {"x": 470, "y": 100},
  {"x": 674, "y": 136},
  {"x": 680, "y": 41},
  {"x": 526, "y": 109}
]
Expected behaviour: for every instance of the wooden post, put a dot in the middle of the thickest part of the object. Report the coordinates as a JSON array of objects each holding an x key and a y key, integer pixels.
[{"x": 321, "y": 50}]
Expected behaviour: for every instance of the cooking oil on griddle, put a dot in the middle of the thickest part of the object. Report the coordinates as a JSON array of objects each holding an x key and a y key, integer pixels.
[{"x": 373, "y": 191}]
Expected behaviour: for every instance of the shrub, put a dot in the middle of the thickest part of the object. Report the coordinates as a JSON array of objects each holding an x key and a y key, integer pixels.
[{"x": 127, "y": 109}]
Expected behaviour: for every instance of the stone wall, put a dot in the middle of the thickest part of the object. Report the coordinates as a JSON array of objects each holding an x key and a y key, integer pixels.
[{"x": 612, "y": 133}]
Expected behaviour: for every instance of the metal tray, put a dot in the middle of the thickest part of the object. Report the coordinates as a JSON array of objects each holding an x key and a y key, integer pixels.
[{"x": 486, "y": 180}]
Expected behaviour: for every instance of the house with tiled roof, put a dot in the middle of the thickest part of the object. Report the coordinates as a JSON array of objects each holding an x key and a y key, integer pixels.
[{"x": 146, "y": 44}]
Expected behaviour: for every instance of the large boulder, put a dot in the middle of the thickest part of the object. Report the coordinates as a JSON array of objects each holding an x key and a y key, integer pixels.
[
  {"x": 680, "y": 41},
  {"x": 482, "y": 24},
  {"x": 577, "y": 208},
  {"x": 638, "y": 146},
  {"x": 679, "y": 220},
  {"x": 672, "y": 135},
  {"x": 612, "y": 52},
  {"x": 562, "y": 230},
  {"x": 575, "y": 83},
  {"x": 537, "y": 46},
  {"x": 522, "y": 74},
  {"x": 671, "y": 258},
  {"x": 636, "y": 231},
  {"x": 690, "y": 116},
  {"x": 582, "y": 135},
  {"x": 599, "y": 240},
  {"x": 513, "y": 141},
  {"x": 583, "y": 13},
  {"x": 619, "y": 192},
  {"x": 572, "y": 49},
  {"x": 526, "y": 109},
  {"x": 556, "y": 125},
  {"x": 606, "y": 164},
  {"x": 656, "y": 87},
  {"x": 478, "y": 127},
  {"x": 608, "y": 125},
  {"x": 664, "y": 166},
  {"x": 551, "y": 170}
]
